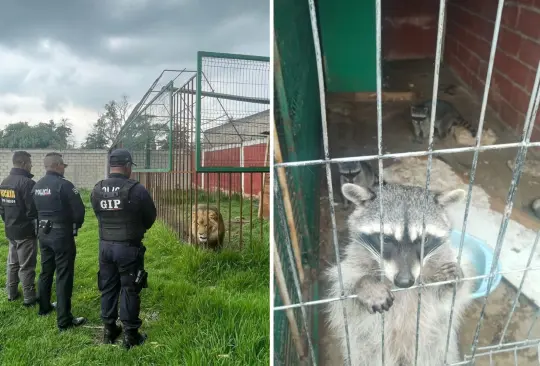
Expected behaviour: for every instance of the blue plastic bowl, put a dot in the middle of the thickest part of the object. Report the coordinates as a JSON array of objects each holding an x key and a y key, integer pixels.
[{"x": 481, "y": 256}]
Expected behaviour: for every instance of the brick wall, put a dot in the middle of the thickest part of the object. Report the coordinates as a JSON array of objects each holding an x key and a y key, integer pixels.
[
  {"x": 468, "y": 42},
  {"x": 86, "y": 167},
  {"x": 409, "y": 29}
]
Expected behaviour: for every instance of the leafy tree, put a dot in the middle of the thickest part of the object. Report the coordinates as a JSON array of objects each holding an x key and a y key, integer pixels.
[
  {"x": 141, "y": 134},
  {"x": 147, "y": 132},
  {"x": 108, "y": 125},
  {"x": 49, "y": 135},
  {"x": 65, "y": 132}
]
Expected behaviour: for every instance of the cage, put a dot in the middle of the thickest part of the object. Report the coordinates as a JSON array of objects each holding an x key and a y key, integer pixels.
[
  {"x": 345, "y": 76},
  {"x": 195, "y": 137}
]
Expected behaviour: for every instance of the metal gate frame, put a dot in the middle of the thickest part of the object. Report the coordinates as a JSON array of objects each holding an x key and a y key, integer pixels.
[{"x": 200, "y": 93}]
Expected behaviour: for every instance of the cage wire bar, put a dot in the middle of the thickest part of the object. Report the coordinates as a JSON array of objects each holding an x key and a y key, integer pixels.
[
  {"x": 298, "y": 128},
  {"x": 160, "y": 133},
  {"x": 322, "y": 97},
  {"x": 234, "y": 115},
  {"x": 291, "y": 166}
]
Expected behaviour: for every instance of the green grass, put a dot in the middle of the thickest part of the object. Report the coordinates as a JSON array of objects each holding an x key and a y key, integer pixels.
[{"x": 200, "y": 308}]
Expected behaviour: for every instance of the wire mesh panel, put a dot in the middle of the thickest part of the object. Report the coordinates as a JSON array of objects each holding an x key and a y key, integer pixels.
[
  {"x": 149, "y": 136},
  {"x": 149, "y": 130},
  {"x": 160, "y": 133},
  {"x": 375, "y": 340},
  {"x": 232, "y": 112},
  {"x": 296, "y": 190}
]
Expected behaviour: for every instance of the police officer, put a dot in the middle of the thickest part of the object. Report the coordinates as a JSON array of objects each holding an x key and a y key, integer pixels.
[
  {"x": 19, "y": 215},
  {"x": 125, "y": 211},
  {"x": 60, "y": 215}
]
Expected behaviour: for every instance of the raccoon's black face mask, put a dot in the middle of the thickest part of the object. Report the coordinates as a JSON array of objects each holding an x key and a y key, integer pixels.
[
  {"x": 401, "y": 258},
  {"x": 403, "y": 242}
]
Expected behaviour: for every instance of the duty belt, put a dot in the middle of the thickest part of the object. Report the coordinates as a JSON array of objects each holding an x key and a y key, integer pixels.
[
  {"x": 57, "y": 225},
  {"x": 60, "y": 226},
  {"x": 127, "y": 243}
]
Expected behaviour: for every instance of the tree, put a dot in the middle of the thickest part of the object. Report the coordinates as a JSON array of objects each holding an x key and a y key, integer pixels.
[
  {"x": 141, "y": 134},
  {"x": 181, "y": 137},
  {"x": 49, "y": 135},
  {"x": 65, "y": 132},
  {"x": 105, "y": 130}
]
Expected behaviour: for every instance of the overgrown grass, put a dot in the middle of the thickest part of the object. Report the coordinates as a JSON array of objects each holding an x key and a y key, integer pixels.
[{"x": 201, "y": 308}]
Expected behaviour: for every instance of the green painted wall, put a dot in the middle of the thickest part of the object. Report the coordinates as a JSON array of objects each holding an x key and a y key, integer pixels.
[{"x": 347, "y": 29}]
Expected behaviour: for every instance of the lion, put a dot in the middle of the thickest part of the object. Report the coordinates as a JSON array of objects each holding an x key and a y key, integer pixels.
[{"x": 207, "y": 227}]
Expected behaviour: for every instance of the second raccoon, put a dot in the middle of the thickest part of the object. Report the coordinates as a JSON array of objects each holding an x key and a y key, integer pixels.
[
  {"x": 446, "y": 117},
  {"x": 360, "y": 173}
]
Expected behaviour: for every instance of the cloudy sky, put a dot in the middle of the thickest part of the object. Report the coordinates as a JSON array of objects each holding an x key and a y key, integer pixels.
[{"x": 67, "y": 58}]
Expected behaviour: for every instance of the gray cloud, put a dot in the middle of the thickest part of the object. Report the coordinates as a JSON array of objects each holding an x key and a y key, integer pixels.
[
  {"x": 84, "y": 53},
  {"x": 9, "y": 109},
  {"x": 156, "y": 31}
]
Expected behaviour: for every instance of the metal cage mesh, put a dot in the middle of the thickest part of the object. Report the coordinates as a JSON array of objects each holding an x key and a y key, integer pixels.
[
  {"x": 161, "y": 134},
  {"x": 299, "y": 119},
  {"x": 233, "y": 112},
  {"x": 151, "y": 129}
]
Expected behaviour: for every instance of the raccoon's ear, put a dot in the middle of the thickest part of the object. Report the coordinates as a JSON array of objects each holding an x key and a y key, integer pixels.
[
  {"x": 356, "y": 194},
  {"x": 449, "y": 197}
]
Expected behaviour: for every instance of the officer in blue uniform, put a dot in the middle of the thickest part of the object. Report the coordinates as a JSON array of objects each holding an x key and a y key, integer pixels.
[
  {"x": 125, "y": 211},
  {"x": 60, "y": 214}
]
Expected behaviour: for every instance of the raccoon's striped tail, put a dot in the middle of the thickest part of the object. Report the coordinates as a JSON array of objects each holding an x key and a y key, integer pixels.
[{"x": 464, "y": 123}]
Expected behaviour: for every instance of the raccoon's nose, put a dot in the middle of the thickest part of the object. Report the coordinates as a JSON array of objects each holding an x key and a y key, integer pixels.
[{"x": 404, "y": 280}]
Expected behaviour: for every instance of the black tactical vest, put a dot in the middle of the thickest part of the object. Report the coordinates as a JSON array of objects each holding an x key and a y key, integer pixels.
[
  {"x": 119, "y": 218},
  {"x": 49, "y": 202}
]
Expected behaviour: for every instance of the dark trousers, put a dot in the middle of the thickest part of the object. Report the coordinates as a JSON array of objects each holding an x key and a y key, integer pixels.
[
  {"x": 118, "y": 266},
  {"x": 57, "y": 253}
]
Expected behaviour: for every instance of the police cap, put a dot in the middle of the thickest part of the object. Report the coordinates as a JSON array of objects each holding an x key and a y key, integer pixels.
[{"x": 120, "y": 157}]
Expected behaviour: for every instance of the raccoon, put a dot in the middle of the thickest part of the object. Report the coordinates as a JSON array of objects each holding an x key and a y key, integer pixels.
[
  {"x": 357, "y": 172},
  {"x": 446, "y": 117},
  {"x": 403, "y": 207},
  {"x": 535, "y": 205}
]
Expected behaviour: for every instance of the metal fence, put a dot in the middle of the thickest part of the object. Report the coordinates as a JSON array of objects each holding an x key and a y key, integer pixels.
[
  {"x": 296, "y": 138},
  {"x": 161, "y": 134},
  {"x": 232, "y": 105},
  {"x": 297, "y": 303}
]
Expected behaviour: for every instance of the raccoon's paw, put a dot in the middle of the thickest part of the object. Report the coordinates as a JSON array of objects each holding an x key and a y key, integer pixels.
[
  {"x": 374, "y": 295},
  {"x": 447, "y": 272}
]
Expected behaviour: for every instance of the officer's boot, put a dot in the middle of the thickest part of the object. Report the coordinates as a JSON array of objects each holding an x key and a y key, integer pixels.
[
  {"x": 133, "y": 338},
  {"x": 110, "y": 333}
]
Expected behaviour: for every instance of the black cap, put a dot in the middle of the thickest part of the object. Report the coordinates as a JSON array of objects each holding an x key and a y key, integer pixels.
[{"x": 120, "y": 157}]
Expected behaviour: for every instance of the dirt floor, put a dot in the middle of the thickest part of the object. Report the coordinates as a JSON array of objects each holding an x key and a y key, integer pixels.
[{"x": 353, "y": 131}]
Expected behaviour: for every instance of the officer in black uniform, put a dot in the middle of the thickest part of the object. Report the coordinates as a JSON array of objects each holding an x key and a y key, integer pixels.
[
  {"x": 60, "y": 215},
  {"x": 125, "y": 211},
  {"x": 19, "y": 214}
]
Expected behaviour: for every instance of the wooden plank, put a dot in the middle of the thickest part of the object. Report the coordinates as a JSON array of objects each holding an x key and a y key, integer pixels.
[
  {"x": 264, "y": 195},
  {"x": 405, "y": 96}
]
